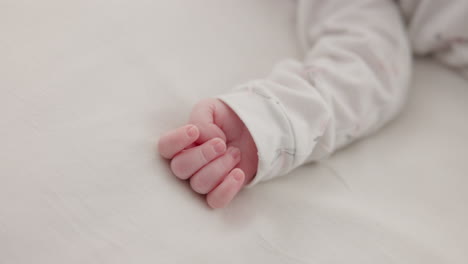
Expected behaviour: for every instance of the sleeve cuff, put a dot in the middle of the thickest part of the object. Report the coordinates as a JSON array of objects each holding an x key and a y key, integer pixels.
[{"x": 263, "y": 116}]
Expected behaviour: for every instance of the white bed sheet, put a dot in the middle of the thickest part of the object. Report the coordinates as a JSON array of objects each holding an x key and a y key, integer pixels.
[{"x": 87, "y": 86}]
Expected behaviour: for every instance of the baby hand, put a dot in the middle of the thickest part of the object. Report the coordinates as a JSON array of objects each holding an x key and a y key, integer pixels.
[{"x": 215, "y": 152}]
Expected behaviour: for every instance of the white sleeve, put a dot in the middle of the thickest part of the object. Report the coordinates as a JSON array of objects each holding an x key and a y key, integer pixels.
[
  {"x": 353, "y": 80},
  {"x": 439, "y": 28}
]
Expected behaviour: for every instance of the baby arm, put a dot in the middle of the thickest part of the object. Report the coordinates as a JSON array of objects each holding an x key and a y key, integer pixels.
[
  {"x": 353, "y": 79},
  {"x": 439, "y": 28}
]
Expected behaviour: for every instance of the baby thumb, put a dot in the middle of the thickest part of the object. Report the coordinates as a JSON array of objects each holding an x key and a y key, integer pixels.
[{"x": 209, "y": 131}]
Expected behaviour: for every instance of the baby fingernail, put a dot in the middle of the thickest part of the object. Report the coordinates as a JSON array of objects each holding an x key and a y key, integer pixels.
[
  {"x": 192, "y": 131},
  {"x": 235, "y": 153},
  {"x": 219, "y": 146},
  {"x": 238, "y": 176}
]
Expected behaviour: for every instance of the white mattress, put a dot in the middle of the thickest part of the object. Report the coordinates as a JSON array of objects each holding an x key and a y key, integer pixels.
[{"x": 86, "y": 88}]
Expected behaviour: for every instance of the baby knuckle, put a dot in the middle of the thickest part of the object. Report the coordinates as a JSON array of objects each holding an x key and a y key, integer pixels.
[
  {"x": 178, "y": 169},
  {"x": 198, "y": 185},
  {"x": 206, "y": 153},
  {"x": 227, "y": 162}
]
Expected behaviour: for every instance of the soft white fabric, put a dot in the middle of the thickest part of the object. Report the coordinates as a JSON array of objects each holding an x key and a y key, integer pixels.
[
  {"x": 86, "y": 88},
  {"x": 439, "y": 28},
  {"x": 352, "y": 80}
]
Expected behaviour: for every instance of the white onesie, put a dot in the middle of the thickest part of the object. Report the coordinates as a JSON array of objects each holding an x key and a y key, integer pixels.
[{"x": 353, "y": 78}]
